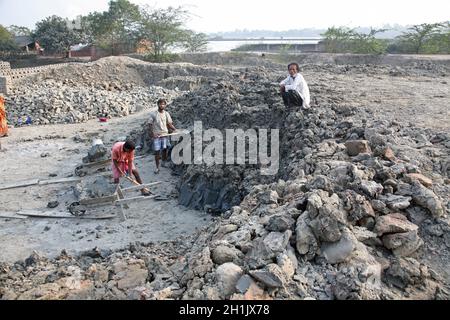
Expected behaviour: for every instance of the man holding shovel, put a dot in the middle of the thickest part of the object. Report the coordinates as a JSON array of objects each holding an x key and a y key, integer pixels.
[
  {"x": 122, "y": 155},
  {"x": 160, "y": 124}
]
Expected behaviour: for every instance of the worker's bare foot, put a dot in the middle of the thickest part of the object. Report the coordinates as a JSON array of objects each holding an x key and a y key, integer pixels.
[{"x": 146, "y": 193}]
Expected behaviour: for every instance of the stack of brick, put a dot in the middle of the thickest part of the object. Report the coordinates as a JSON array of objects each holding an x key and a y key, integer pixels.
[
  {"x": 5, "y": 73},
  {"x": 9, "y": 76}
]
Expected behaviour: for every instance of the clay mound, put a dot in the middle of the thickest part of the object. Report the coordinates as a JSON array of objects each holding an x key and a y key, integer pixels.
[{"x": 119, "y": 70}]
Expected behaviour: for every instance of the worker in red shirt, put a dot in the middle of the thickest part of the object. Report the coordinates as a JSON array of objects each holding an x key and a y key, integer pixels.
[{"x": 123, "y": 162}]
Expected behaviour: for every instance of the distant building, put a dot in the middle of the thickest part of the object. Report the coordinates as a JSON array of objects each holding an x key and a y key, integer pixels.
[
  {"x": 82, "y": 50},
  {"x": 95, "y": 52},
  {"x": 311, "y": 47},
  {"x": 290, "y": 47},
  {"x": 27, "y": 44}
]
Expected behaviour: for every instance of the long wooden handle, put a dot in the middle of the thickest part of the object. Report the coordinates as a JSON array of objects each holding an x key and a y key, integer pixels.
[
  {"x": 175, "y": 133},
  {"x": 136, "y": 183}
]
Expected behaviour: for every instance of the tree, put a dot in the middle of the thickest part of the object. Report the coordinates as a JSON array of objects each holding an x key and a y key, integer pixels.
[
  {"x": 80, "y": 26},
  {"x": 54, "y": 35},
  {"x": 117, "y": 26},
  {"x": 19, "y": 30},
  {"x": 195, "y": 42},
  {"x": 367, "y": 43},
  {"x": 94, "y": 27},
  {"x": 343, "y": 39},
  {"x": 6, "y": 40},
  {"x": 440, "y": 41},
  {"x": 164, "y": 28},
  {"x": 337, "y": 39},
  {"x": 419, "y": 37}
]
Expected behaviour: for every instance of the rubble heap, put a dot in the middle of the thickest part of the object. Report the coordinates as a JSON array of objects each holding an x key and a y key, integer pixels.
[
  {"x": 353, "y": 197},
  {"x": 111, "y": 87},
  {"x": 358, "y": 210},
  {"x": 53, "y": 102}
]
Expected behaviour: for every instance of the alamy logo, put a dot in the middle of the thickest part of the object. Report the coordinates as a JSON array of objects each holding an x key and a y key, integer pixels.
[
  {"x": 74, "y": 24},
  {"x": 241, "y": 147}
]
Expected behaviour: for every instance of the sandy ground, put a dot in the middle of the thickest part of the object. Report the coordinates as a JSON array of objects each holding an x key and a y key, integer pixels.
[{"x": 148, "y": 221}]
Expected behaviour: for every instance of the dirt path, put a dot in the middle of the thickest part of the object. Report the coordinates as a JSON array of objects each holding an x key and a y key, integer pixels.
[
  {"x": 22, "y": 160},
  {"x": 422, "y": 101}
]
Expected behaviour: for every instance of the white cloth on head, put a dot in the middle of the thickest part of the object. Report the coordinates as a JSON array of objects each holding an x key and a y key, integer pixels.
[{"x": 298, "y": 84}]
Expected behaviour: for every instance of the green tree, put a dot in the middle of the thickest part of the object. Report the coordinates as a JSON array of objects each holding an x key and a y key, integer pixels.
[
  {"x": 54, "y": 35},
  {"x": 419, "y": 38},
  {"x": 81, "y": 27},
  {"x": 195, "y": 42},
  {"x": 94, "y": 26},
  {"x": 117, "y": 27},
  {"x": 164, "y": 28},
  {"x": 367, "y": 43},
  {"x": 6, "y": 40},
  {"x": 337, "y": 39},
  {"x": 343, "y": 39},
  {"x": 19, "y": 30},
  {"x": 440, "y": 41}
]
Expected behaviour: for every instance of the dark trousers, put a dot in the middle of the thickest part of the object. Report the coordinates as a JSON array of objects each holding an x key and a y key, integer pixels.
[{"x": 291, "y": 98}]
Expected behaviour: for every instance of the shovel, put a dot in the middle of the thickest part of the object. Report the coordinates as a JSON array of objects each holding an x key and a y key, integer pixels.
[{"x": 135, "y": 182}]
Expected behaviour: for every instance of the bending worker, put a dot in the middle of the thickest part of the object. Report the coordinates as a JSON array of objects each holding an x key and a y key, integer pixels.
[{"x": 123, "y": 162}]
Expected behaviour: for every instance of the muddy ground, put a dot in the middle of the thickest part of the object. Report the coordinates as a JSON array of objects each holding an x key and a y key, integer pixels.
[{"x": 150, "y": 221}]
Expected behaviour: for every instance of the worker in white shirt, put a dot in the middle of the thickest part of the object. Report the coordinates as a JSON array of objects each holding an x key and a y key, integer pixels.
[
  {"x": 160, "y": 124},
  {"x": 294, "y": 89}
]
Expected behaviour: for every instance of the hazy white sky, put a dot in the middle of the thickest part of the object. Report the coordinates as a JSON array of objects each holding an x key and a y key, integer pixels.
[{"x": 227, "y": 15}]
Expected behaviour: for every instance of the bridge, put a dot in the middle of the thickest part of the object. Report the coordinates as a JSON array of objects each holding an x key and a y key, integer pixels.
[{"x": 269, "y": 39}]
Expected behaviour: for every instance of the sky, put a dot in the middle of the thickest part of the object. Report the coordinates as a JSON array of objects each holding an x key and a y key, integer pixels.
[{"x": 212, "y": 16}]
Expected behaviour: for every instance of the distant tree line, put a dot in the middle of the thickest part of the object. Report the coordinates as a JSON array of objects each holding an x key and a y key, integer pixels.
[
  {"x": 424, "y": 38},
  {"x": 123, "y": 27},
  {"x": 391, "y": 32}
]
